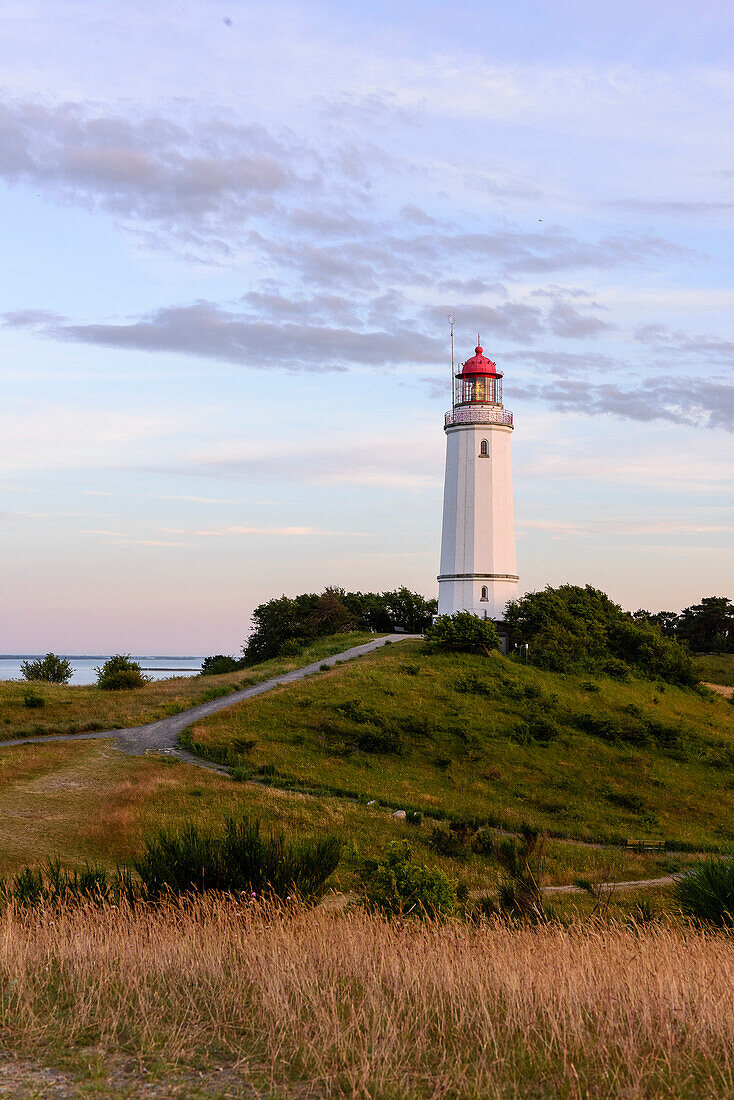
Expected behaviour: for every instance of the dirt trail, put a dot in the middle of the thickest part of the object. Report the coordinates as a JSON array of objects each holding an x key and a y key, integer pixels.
[{"x": 721, "y": 689}]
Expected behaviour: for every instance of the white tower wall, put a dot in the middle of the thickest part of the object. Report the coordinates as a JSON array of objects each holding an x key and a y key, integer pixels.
[{"x": 478, "y": 538}]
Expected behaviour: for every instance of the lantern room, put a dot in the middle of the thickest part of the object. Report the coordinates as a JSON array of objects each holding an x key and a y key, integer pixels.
[{"x": 479, "y": 382}]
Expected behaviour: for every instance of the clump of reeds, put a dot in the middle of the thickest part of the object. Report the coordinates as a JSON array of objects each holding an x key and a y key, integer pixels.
[{"x": 339, "y": 1004}]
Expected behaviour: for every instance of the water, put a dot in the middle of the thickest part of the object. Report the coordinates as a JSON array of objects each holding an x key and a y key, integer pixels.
[{"x": 158, "y": 668}]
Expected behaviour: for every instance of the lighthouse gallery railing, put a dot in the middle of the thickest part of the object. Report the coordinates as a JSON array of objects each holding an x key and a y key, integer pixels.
[{"x": 478, "y": 415}]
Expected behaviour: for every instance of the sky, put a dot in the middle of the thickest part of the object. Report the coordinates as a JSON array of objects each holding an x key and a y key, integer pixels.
[{"x": 232, "y": 235}]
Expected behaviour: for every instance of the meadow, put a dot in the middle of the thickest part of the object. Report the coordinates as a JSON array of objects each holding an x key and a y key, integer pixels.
[
  {"x": 465, "y": 737},
  {"x": 81, "y": 708},
  {"x": 226, "y": 998},
  {"x": 85, "y": 802},
  {"x": 223, "y": 996}
]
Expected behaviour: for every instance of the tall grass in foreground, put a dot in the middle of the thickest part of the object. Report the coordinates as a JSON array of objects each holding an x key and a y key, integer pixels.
[{"x": 329, "y": 1004}]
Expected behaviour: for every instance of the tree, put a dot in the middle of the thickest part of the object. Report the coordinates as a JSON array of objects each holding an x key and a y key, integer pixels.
[
  {"x": 219, "y": 664},
  {"x": 409, "y": 610},
  {"x": 463, "y": 630},
  {"x": 51, "y": 669},
  {"x": 284, "y": 624},
  {"x": 572, "y": 627},
  {"x": 708, "y": 625},
  {"x": 120, "y": 673}
]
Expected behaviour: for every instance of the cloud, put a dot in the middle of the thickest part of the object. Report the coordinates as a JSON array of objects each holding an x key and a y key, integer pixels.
[
  {"x": 671, "y": 208},
  {"x": 151, "y": 167},
  {"x": 279, "y": 532},
  {"x": 563, "y": 363},
  {"x": 565, "y": 320},
  {"x": 713, "y": 348},
  {"x": 206, "y": 330},
  {"x": 697, "y": 402}
]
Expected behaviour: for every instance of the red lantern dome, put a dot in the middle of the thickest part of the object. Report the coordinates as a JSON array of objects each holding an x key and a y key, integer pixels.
[
  {"x": 479, "y": 364},
  {"x": 478, "y": 382}
]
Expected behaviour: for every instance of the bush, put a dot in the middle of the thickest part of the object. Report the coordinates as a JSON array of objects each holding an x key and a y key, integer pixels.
[
  {"x": 220, "y": 664},
  {"x": 380, "y": 741},
  {"x": 463, "y": 631},
  {"x": 33, "y": 700},
  {"x": 120, "y": 673},
  {"x": 30, "y": 888},
  {"x": 52, "y": 669},
  {"x": 446, "y": 843},
  {"x": 401, "y": 888},
  {"x": 521, "y": 891},
  {"x": 217, "y": 692},
  {"x": 706, "y": 891},
  {"x": 538, "y": 727},
  {"x": 572, "y": 627},
  {"x": 240, "y": 860}
]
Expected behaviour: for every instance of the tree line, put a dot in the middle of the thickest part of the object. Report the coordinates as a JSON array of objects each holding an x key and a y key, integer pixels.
[
  {"x": 282, "y": 626},
  {"x": 705, "y": 627}
]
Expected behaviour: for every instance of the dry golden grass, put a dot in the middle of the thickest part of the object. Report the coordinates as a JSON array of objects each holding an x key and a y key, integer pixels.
[{"x": 324, "y": 1004}]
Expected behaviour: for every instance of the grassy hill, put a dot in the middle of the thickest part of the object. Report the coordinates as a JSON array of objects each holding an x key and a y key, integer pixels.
[
  {"x": 462, "y": 736},
  {"x": 456, "y": 736},
  {"x": 80, "y": 708}
]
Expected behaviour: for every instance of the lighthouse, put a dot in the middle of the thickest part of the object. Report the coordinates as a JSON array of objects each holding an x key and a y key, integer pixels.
[{"x": 478, "y": 569}]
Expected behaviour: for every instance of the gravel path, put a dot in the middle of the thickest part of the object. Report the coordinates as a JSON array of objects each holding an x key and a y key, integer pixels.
[
  {"x": 162, "y": 736},
  {"x": 632, "y": 884}
]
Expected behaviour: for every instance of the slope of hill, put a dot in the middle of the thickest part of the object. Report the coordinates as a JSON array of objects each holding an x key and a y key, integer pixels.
[
  {"x": 75, "y": 708},
  {"x": 466, "y": 737}
]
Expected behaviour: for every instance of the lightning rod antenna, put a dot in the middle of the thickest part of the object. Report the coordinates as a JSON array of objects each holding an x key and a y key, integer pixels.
[{"x": 451, "y": 330}]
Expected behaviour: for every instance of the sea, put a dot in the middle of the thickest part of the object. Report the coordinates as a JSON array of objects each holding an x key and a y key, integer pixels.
[{"x": 158, "y": 668}]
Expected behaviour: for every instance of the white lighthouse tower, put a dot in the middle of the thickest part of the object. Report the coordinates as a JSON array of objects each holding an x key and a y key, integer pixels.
[{"x": 478, "y": 570}]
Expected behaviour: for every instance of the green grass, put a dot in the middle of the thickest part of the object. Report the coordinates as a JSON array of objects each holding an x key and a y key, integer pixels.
[
  {"x": 401, "y": 726},
  {"x": 81, "y": 708},
  {"x": 716, "y": 668},
  {"x": 84, "y": 801}
]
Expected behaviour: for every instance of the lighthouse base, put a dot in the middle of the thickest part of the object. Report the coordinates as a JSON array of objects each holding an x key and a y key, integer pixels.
[{"x": 483, "y": 594}]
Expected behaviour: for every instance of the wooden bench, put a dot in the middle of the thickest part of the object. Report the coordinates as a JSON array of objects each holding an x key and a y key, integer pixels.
[{"x": 645, "y": 845}]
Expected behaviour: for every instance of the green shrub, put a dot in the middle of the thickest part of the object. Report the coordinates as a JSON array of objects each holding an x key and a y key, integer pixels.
[
  {"x": 30, "y": 888},
  {"x": 218, "y": 692},
  {"x": 240, "y": 773},
  {"x": 573, "y": 627},
  {"x": 706, "y": 891},
  {"x": 356, "y": 712},
  {"x": 463, "y": 631},
  {"x": 120, "y": 673},
  {"x": 240, "y": 860},
  {"x": 399, "y": 887},
  {"x": 538, "y": 727},
  {"x": 380, "y": 741},
  {"x": 52, "y": 669},
  {"x": 446, "y": 843},
  {"x": 33, "y": 700},
  {"x": 219, "y": 664},
  {"x": 521, "y": 890},
  {"x": 470, "y": 684}
]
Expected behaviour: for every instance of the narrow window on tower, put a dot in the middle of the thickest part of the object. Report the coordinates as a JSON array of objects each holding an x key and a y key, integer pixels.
[
  {"x": 484, "y": 448},
  {"x": 485, "y": 592}
]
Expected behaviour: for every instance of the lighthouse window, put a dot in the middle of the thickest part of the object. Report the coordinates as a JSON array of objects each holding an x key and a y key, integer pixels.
[
  {"x": 484, "y": 448},
  {"x": 485, "y": 592}
]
